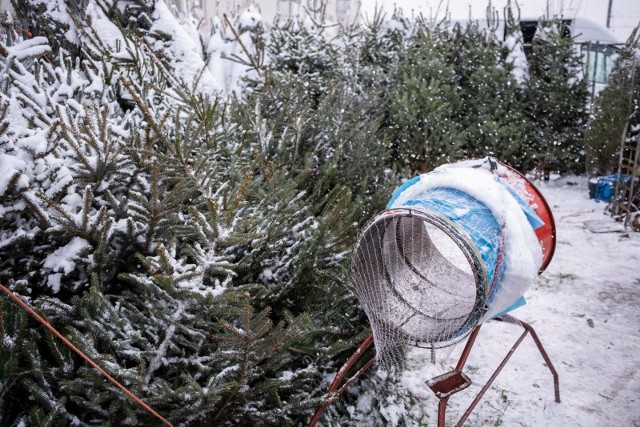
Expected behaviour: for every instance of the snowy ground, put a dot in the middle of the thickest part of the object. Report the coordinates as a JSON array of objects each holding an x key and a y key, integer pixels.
[{"x": 586, "y": 310}]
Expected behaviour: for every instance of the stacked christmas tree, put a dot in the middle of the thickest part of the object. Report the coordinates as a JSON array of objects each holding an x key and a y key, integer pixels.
[{"x": 183, "y": 207}]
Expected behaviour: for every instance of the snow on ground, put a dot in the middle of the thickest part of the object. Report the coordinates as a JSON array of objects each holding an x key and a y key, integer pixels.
[{"x": 586, "y": 310}]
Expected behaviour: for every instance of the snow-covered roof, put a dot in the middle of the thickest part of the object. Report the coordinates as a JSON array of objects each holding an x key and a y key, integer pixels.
[
  {"x": 585, "y": 30},
  {"x": 582, "y": 29}
]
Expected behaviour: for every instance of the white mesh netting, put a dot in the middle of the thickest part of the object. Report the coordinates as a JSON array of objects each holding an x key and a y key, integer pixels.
[{"x": 418, "y": 280}]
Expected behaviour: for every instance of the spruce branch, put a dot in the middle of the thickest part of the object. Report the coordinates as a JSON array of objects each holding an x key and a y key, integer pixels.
[
  {"x": 4, "y": 124},
  {"x": 239, "y": 195},
  {"x": 241, "y": 43},
  {"x": 266, "y": 168},
  {"x": 3, "y": 51},
  {"x": 157, "y": 128},
  {"x": 37, "y": 211}
]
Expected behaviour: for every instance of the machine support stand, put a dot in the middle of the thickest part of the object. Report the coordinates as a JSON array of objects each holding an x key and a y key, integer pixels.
[
  {"x": 452, "y": 382},
  {"x": 446, "y": 384}
]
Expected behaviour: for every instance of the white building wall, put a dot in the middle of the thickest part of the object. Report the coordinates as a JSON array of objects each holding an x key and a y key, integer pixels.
[
  {"x": 6, "y": 5},
  {"x": 342, "y": 11}
]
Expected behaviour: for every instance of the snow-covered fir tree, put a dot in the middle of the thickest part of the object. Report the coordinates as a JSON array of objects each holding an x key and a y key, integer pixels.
[
  {"x": 557, "y": 98},
  {"x": 491, "y": 109},
  {"x": 183, "y": 207},
  {"x": 614, "y": 111},
  {"x": 164, "y": 241},
  {"x": 456, "y": 95},
  {"x": 423, "y": 132}
]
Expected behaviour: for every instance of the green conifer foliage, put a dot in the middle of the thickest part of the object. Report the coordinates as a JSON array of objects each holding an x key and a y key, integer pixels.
[
  {"x": 557, "y": 101},
  {"x": 332, "y": 135},
  {"x": 197, "y": 246},
  {"x": 376, "y": 50},
  {"x": 491, "y": 111},
  {"x": 172, "y": 246},
  {"x": 454, "y": 97},
  {"x": 423, "y": 129},
  {"x": 302, "y": 47}
]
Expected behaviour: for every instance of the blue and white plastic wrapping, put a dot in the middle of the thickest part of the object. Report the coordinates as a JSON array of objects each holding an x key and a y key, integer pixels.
[{"x": 495, "y": 219}]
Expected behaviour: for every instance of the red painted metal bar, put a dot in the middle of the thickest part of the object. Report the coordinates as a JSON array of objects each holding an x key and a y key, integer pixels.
[
  {"x": 490, "y": 381},
  {"x": 528, "y": 329},
  {"x": 355, "y": 376},
  {"x": 442, "y": 411},
  {"x": 80, "y": 353},
  {"x": 543, "y": 352},
  {"x": 467, "y": 348},
  {"x": 343, "y": 371},
  {"x": 340, "y": 376},
  {"x": 442, "y": 405}
]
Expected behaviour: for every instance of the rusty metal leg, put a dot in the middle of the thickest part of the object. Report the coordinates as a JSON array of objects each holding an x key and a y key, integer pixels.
[
  {"x": 556, "y": 380},
  {"x": 442, "y": 409},
  {"x": 447, "y": 384},
  {"x": 543, "y": 352},
  {"x": 490, "y": 381},
  {"x": 333, "y": 388},
  {"x": 452, "y": 382},
  {"x": 467, "y": 348},
  {"x": 528, "y": 329}
]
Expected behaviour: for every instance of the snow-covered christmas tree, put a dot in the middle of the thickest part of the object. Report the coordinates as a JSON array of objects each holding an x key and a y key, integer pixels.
[{"x": 182, "y": 207}]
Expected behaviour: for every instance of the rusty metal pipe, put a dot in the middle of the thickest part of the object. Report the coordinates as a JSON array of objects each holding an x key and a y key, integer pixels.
[{"x": 340, "y": 376}]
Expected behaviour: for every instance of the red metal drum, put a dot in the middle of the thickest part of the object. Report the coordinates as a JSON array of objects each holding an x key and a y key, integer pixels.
[{"x": 547, "y": 233}]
